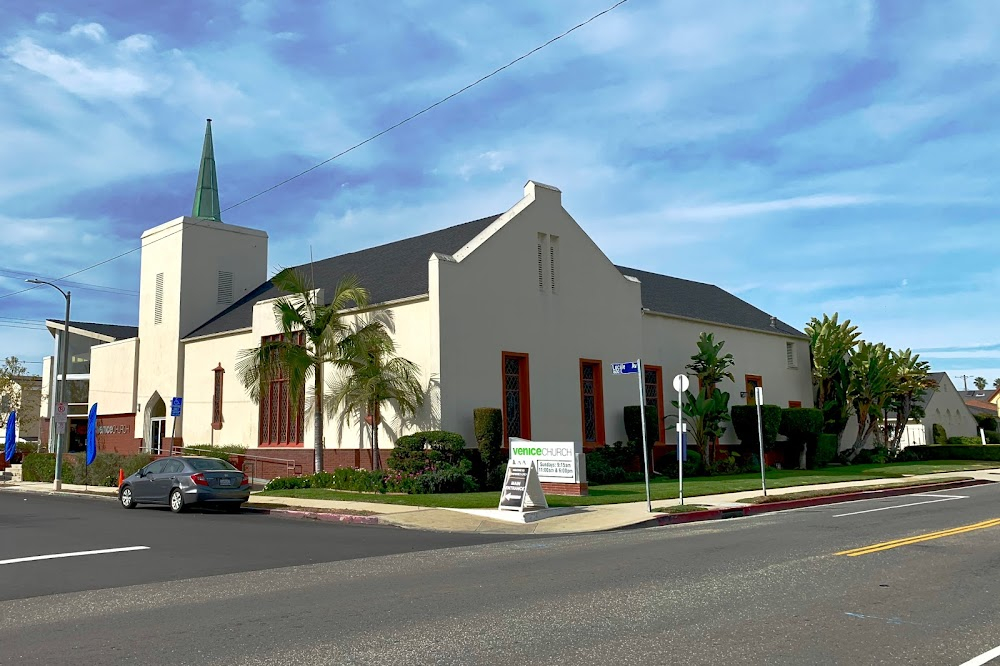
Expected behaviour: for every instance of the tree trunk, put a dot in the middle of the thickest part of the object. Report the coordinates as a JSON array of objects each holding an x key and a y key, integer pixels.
[
  {"x": 376, "y": 458},
  {"x": 318, "y": 418}
]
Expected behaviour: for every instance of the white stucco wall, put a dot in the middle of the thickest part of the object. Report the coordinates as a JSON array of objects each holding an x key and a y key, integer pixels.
[
  {"x": 189, "y": 253},
  {"x": 239, "y": 413},
  {"x": 670, "y": 342},
  {"x": 488, "y": 301},
  {"x": 114, "y": 377},
  {"x": 947, "y": 407}
]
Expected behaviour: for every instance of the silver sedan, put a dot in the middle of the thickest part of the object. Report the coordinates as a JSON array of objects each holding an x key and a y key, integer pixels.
[{"x": 180, "y": 481}]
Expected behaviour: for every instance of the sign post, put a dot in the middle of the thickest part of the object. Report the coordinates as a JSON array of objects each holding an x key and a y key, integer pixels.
[
  {"x": 758, "y": 397},
  {"x": 636, "y": 369},
  {"x": 681, "y": 383}
]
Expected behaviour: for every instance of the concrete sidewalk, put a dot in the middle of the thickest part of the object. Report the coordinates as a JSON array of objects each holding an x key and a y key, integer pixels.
[{"x": 554, "y": 521}]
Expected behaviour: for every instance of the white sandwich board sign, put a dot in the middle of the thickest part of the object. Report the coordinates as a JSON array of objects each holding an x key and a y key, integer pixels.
[{"x": 555, "y": 462}]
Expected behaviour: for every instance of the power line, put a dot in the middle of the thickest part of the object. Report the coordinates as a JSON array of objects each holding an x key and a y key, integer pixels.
[
  {"x": 355, "y": 146},
  {"x": 10, "y": 272}
]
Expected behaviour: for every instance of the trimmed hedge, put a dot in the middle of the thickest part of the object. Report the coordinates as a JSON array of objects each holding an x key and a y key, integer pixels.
[
  {"x": 102, "y": 472},
  {"x": 745, "y": 424},
  {"x": 802, "y": 426},
  {"x": 444, "y": 478},
  {"x": 964, "y": 441},
  {"x": 826, "y": 449},
  {"x": 939, "y": 435},
  {"x": 633, "y": 423},
  {"x": 488, "y": 425},
  {"x": 989, "y": 453},
  {"x": 992, "y": 437},
  {"x": 416, "y": 453},
  {"x": 609, "y": 464},
  {"x": 987, "y": 422}
]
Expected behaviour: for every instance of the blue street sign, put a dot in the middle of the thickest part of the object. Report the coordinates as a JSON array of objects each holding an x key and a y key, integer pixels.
[
  {"x": 175, "y": 406},
  {"x": 682, "y": 453},
  {"x": 630, "y": 368}
]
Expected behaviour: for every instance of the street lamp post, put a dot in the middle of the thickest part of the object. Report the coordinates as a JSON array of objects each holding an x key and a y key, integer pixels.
[{"x": 61, "y": 363}]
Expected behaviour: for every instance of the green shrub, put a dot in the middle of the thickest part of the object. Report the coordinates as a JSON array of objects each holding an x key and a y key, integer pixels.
[
  {"x": 939, "y": 435},
  {"x": 39, "y": 467},
  {"x": 906, "y": 455},
  {"x": 633, "y": 423},
  {"x": 488, "y": 425},
  {"x": 964, "y": 441},
  {"x": 802, "y": 426},
  {"x": 24, "y": 448},
  {"x": 288, "y": 483},
  {"x": 418, "y": 452},
  {"x": 443, "y": 478},
  {"x": 495, "y": 477},
  {"x": 987, "y": 453},
  {"x": 826, "y": 449},
  {"x": 992, "y": 437},
  {"x": 987, "y": 422},
  {"x": 879, "y": 455},
  {"x": 745, "y": 424},
  {"x": 104, "y": 470},
  {"x": 667, "y": 464},
  {"x": 601, "y": 471}
]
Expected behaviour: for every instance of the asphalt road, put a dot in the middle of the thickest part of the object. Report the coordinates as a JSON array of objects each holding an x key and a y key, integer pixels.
[{"x": 764, "y": 590}]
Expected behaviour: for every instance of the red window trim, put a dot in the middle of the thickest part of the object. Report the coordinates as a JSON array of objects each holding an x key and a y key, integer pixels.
[
  {"x": 294, "y": 430},
  {"x": 749, "y": 389},
  {"x": 598, "y": 403},
  {"x": 661, "y": 429},
  {"x": 218, "y": 378},
  {"x": 525, "y": 388}
]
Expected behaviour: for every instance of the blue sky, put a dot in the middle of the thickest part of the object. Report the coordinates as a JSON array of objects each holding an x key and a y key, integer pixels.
[{"x": 810, "y": 157}]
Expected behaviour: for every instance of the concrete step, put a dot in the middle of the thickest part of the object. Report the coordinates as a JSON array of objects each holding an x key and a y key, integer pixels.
[{"x": 12, "y": 474}]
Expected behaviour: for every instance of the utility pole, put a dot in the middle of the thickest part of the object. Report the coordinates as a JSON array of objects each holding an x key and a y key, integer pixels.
[{"x": 965, "y": 381}]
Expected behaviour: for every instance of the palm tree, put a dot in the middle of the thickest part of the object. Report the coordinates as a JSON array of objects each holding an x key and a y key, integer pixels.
[
  {"x": 372, "y": 376},
  {"x": 910, "y": 382},
  {"x": 980, "y": 383},
  {"x": 873, "y": 373},
  {"x": 996, "y": 383},
  {"x": 323, "y": 328},
  {"x": 832, "y": 342}
]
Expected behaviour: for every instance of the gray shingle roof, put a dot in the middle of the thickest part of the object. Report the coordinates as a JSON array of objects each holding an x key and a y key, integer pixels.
[
  {"x": 697, "y": 300},
  {"x": 389, "y": 272},
  {"x": 116, "y": 331},
  {"x": 399, "y": 270}
]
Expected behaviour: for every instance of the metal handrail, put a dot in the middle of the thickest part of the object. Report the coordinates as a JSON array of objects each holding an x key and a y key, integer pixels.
[{"x": 250, "y": 459}]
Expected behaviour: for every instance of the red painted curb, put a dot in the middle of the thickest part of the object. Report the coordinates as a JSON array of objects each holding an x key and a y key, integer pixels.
[{"x": 755, "y": 509}]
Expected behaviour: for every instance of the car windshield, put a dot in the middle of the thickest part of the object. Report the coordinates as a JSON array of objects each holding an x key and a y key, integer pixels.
[{"x": 203, "y": 464}]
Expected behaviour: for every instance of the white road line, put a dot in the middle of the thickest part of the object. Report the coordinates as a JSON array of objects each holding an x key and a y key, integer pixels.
[
  {"x": 984, "y": 658},
  {"x": 897, "y": 506},
  {"x": 56, "y": 556}
]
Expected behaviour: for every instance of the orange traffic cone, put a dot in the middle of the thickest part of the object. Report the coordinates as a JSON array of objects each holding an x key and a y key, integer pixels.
[{"x": 121, "y": 477}]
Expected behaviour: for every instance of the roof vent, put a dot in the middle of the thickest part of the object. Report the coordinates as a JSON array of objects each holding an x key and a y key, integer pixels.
[{"x": 774, "y": 323}]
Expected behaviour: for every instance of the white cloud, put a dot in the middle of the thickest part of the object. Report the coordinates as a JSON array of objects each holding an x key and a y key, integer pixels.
[
  {"x": 94, "y": 31},
  {"x": 137, "y": 43},
  {"x": 74, "y": 75},
  {"x": 731, "y": 210},
  {"x": 46, "y": 18}
]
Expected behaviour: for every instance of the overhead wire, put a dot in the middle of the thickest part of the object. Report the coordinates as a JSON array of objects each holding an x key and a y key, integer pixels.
[{"x": 406, "y": 120}]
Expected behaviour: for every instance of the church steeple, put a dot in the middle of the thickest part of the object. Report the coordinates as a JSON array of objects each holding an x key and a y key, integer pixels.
[{"x": 206, "y": 196}]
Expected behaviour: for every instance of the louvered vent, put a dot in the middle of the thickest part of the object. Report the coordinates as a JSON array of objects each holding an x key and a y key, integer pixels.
[
  {"x": 790, "y": 355},
  {"x": 553, "y": 247},
  {"x": 158, "y": 302},
  {"x": 225, "y": 293},
  {"x": 541, "y": 278}
]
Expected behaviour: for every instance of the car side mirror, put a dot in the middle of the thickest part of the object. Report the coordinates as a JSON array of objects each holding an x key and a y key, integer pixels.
[{"x": 142, "y": 473}]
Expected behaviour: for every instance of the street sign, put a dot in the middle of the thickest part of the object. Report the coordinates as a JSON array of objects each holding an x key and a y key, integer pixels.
[
  {"x": 61, "y": 427},
  {"x": 681, "y": 383},
  {"x": 629, "y": 368},
  {"x": 175, "y": 406},
  {"x": 60, "y": 413}
]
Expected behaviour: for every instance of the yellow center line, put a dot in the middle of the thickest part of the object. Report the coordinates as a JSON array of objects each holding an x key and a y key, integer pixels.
[{"x": 886, "y": 545}]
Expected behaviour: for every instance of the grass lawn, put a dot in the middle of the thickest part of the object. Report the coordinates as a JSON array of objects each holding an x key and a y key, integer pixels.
[{"x": 660, "y": 488}]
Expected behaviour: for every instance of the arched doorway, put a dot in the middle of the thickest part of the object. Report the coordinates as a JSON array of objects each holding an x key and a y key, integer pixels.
[{"x": 156, "y": 424}]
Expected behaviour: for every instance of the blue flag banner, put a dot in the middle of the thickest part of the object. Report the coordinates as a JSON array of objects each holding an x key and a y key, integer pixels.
[
  {"x": 92, "y": 434},
  {"x": 10, "y": 442}
]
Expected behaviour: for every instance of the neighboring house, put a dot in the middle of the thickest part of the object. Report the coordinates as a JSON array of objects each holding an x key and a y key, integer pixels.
[
  {"x": 23, "y": 395},
  {"x": 946, "y": 406},
  {"x": 520, "y": 311},
  {"x": 982, "y": 402}
]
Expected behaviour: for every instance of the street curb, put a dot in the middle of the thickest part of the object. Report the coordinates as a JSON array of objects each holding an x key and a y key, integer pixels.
[
  {"x": 316, "y": 515},
  {"x": 756, "y": 509}
]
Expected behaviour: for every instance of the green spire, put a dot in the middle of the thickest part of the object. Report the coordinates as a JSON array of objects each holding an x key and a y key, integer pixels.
[{"x": 206, "y": 196}]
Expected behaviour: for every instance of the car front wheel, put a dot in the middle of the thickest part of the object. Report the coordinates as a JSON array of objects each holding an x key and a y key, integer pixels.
[
  {"x": 125, "y": 497},
  {"x": 176, "y": 501}
]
